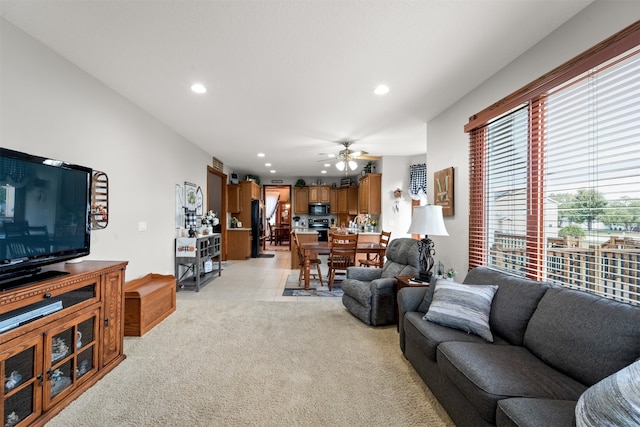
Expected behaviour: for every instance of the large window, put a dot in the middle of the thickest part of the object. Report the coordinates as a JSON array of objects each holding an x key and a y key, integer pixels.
[{"x": 555, "y": 175}]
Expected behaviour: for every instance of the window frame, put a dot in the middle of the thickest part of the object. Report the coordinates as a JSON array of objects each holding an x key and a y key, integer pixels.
[{"x": 533, "y": 95}]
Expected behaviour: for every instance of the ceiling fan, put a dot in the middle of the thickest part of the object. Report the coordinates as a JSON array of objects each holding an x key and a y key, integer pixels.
[{"x": 347, "y": 157}]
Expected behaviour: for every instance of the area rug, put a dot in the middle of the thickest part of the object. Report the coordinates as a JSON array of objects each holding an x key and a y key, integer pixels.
[
  {"x": 313, "y": 292},
  {"x": 293, "y": 288}
]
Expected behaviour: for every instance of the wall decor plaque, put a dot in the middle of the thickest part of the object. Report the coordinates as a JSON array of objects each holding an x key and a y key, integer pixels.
[{"x": 443, "y": 190}]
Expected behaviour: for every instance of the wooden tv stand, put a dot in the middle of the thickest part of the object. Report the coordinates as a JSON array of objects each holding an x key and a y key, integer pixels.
[{"x": 52, "y": 359}]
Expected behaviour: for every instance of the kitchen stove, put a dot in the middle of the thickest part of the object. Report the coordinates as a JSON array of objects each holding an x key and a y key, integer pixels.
[{"x": 321, "y": 225}]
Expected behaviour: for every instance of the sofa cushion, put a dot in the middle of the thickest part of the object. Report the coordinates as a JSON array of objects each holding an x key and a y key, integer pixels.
[
  {"x": 514, "y": 302},
  {"x": 583, "y": 335},
  {"x": 531, "y": 412},
  {"x": 614, "y": 401},
  {"x": 464, "y": 307},
  {"x": 402, "y": 258},
  {"x": 486, "y": 373},
  {"x": 428, "y": 335}
]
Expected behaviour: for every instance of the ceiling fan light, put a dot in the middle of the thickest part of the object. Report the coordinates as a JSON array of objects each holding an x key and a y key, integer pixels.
[
  {"x": 352, "y": 165},
  {"x": 340, "y": 165}
]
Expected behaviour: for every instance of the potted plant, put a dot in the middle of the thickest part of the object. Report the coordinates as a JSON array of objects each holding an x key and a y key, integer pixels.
[
  {"x": 451, "y": 274},
  {"x": 234, "y": 222}
]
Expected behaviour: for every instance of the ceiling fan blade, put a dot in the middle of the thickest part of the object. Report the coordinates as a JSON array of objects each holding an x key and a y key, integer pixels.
[{"x": 368, "y": 157}]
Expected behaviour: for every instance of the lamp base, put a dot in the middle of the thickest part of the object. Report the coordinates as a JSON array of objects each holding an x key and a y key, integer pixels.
[{"x": 425, "y": 276}]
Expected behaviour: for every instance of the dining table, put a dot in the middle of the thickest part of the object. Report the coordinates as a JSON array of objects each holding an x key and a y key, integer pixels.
[{"x": 323, "y": 248}]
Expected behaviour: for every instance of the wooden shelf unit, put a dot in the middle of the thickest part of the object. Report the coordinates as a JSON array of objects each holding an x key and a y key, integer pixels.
[
  {"x": 190, "y": 271},
  {"x": 58, "y": 356}
]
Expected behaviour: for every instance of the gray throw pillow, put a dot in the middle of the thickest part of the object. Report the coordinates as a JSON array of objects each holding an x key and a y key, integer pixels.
[
  {"x": 614, "y": 401},
  {"x": 464, "y": 307}
]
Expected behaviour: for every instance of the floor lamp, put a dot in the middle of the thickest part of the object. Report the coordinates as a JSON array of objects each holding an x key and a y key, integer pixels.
[{"x": 427, "y": 220}]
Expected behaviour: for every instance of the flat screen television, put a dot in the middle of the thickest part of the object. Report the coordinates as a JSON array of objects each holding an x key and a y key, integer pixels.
[{"x": 45, "y": 212}]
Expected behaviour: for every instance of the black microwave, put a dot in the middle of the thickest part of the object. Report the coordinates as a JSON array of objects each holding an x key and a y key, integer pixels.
[{"x": 319, "y": 209}]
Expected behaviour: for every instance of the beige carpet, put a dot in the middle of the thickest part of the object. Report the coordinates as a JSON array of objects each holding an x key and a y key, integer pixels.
[{"x": 216, "y": 363}]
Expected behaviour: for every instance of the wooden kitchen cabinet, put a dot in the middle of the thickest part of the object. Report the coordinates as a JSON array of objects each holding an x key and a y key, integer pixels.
[
  {"x": 239, "y": 197},
  {"x": 347, "y": 204},
  {"x": 251, "y": 188},
  {"x": 301, "y": 200},
  {"x": 319, "y": 194},
  {"x": 343, "y": 194},
  {"x": 348, "y": 200},
  {"x": 352, "y": 200},
  {"x": 239, "y": 243},
  {"x": 369, "y": 194},
  {"x": 333, "y": 200},
  {"x": 234, "y": 198}
]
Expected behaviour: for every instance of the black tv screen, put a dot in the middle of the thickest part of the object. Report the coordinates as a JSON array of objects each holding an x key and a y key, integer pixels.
[{"x": 45, "y": 208}]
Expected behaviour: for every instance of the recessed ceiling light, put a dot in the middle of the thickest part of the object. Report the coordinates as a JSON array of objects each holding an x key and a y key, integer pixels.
[
  {"x": 198, "y": 88},
  {"x": 260, "y": 154},
  {"x": 326, "y": 165},
  {"x": 267, "y": 164},
  {"x": 381, "y": 90},
  {"x": 272, "y": 171},
  {"x": 323, "y": 171}
]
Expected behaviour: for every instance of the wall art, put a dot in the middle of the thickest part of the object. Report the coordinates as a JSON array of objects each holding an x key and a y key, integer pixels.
[{"x": 444, "y": 191}]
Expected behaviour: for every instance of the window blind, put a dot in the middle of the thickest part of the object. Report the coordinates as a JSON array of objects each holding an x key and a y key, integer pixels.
[
  {"x": 555, "y": 181},
  {"x": 593, "y": 179}
]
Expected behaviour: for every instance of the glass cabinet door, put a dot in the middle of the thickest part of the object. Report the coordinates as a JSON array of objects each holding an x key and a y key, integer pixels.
[
  {"x": 21, "y": 368},
  {"x": 70, "y": 355}
]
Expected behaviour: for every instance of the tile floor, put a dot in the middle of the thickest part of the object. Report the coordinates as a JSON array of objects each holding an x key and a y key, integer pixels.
[{"x": 256, "y": 279}]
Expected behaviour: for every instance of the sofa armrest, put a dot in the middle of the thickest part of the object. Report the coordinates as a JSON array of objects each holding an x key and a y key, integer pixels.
[
  {"x": 409, "y": 299},
  {"x": 364, "y": 274},
  {"x": 383, "y": 301}
]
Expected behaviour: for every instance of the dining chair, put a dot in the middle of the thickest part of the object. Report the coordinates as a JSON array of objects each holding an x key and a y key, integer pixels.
[
  {"x": 314, "y": 260},
  {"x": 272, "y": 237},
  {"x": 342, "y": 254},
  {"x": 373, "y": 260},
  {"x": 284, "y": 234}
]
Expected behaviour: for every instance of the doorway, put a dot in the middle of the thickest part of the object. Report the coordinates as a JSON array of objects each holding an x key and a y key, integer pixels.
[
  {"x": 278, "y": 209},
  {"x": 217, "y": 202}
]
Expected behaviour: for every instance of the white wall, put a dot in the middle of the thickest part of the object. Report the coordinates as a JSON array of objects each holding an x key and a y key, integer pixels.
[
  {"x": 447, "y": 144},
  {"x": 395, "y": 174},
  {"x": 51, "y": 108}
]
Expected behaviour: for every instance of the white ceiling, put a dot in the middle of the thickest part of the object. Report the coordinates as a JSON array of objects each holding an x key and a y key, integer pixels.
[{"x": 289, "y": 78}]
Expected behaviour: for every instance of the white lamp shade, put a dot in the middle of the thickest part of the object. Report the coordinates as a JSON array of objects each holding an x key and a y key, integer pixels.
[
  {"x": 428, "y": 220},
  {"x": 353, "y": 165},
  {"x": 340, "y": 165}
]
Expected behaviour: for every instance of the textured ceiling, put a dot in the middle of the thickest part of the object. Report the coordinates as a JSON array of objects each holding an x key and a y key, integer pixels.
[{"x": 290, "y": 78}]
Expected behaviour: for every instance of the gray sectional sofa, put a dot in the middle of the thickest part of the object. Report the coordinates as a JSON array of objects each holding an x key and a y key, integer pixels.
[{"x": 550, "y": 345}]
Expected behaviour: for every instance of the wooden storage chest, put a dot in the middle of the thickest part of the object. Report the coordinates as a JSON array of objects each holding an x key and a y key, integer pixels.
[{"x": 148, "y": 301}]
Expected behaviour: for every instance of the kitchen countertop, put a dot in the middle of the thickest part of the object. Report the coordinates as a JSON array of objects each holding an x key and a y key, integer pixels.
[{"x": 300, "y": 230}]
